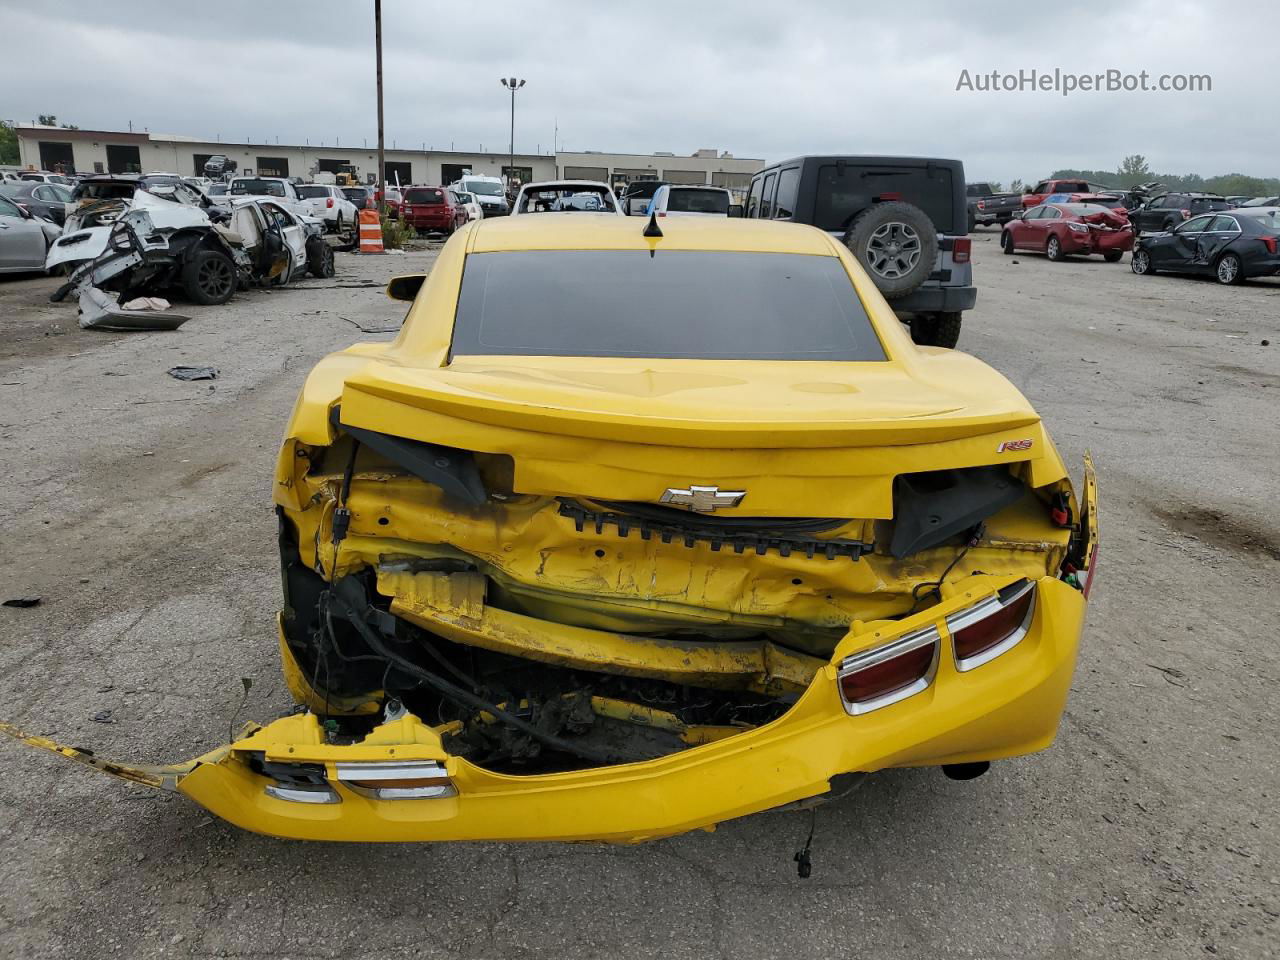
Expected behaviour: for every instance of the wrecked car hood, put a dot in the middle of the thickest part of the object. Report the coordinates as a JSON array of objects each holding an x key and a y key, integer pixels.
[{"x": 79, "y": 245}]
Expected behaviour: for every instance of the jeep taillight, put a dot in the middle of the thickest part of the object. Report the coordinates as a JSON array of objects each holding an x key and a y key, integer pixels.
[
  {"x": 961, "y": 249},
  {"x": 889, "y": 673},
  {"x": 992, "y": 627}
]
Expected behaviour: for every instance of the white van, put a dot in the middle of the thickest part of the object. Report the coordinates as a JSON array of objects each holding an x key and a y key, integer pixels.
[{"x": 488, "y": 191}]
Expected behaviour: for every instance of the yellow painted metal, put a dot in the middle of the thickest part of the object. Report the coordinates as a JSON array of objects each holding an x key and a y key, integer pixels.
[
  {"x": 451, "y": 606},
  {"x": 1007, "y": 707}
]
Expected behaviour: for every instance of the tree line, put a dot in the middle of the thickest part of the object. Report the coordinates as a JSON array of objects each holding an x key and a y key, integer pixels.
[{"x": 1134, "y": 169}]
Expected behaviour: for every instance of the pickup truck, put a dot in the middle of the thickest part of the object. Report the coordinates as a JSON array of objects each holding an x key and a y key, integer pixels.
[
  {"x": 903, "y": 218},
  {"x": 1036, "y": 195},
  {"x": 986, "y": 206}
]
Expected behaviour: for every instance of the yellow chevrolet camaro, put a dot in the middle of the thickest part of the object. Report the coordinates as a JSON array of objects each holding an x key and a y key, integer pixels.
[{"x": 635, "y": 530}]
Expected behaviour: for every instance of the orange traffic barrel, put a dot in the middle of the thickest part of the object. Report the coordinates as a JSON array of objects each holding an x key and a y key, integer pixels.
[{"x": 370, "y": 232}]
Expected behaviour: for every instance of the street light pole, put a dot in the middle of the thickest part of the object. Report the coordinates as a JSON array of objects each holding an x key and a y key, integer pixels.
[
  {"x": 513, "y": 85},
  {"x": 379, "y": 184}
]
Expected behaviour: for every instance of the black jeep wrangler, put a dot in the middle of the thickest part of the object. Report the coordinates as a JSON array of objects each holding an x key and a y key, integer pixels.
[{"x": 904, "y": 218}]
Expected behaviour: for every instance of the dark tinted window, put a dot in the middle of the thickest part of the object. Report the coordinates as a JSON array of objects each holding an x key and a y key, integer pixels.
[
  {"x": 428, "y": 195},
  {"x": 784, "y": 206},
  {"x": 1200, "y": 204},
  {"x": 686, "y": 304},
  {"x": 978, "y": 190},
  {"x": 698, "y": 201},
  {"x": 844, "y": 192},
  {"x": 356, "y": 195},
  {"x": 105, "y": 190},
  {"x": 257, "y": 188},
  {"x": 308, "y": 192}
]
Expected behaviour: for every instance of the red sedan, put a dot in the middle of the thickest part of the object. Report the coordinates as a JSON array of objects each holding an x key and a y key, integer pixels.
[{"x": 1061, "y": 229}]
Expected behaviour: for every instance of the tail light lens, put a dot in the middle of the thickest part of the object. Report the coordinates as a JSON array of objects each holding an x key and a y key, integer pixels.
[
  {"x": 992, "y": 627},
  {"x": 982, "y": 204},
  {"x": 408, "y": 780},
  {"x": 887, "y": 674},
  {"x": 328, "y": 202},
  {"x": 961, "y": 249},
  {"x": 1186, "y": 214},
  {"x": 1270, "y": 242}
]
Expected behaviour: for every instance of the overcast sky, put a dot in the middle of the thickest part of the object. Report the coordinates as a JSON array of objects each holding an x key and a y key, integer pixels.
[{"x": 766, "y": 80}]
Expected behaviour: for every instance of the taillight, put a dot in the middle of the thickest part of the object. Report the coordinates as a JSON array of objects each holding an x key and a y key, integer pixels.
[
  {"x": 407, "y": 780},
  {"x": 1270, "y": 242},
  {"x": 982, "y": 204},
  {"x": 992, "y": 627},
  {"x": 887, "y": 674},
  {"x": 328, "y": 201},
  {"x": 961, "y": 249},
  {"x": 1186, "y": 214}
]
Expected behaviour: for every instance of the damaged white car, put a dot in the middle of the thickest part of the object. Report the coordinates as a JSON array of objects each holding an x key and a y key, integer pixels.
[{"x": 158, "y": 245}]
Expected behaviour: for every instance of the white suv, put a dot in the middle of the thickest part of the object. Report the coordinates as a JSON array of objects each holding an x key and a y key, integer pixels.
[{"x": 328, "y": 203}]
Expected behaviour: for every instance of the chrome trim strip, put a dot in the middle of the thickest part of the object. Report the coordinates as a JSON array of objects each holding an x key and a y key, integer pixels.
[{"x": 303, "y": 795}]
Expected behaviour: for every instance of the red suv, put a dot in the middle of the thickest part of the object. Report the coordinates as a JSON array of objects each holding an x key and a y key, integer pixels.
[{"x": 434, "y": 209}]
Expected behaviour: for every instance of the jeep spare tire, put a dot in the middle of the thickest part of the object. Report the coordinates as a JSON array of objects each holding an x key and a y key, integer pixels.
[{"x": 896, "y": 243}]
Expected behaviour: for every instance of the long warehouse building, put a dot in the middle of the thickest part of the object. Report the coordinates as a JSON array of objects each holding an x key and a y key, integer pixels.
[{"x": 104, "y": 151}]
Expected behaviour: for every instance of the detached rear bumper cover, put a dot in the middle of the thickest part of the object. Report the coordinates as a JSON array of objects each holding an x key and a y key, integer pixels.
[{"x": 1007, "y": 707}]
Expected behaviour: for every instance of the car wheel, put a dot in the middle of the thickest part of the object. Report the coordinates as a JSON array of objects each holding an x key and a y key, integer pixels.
[
  {"x": 1228, "y": 270},
  {"x": 209, "y": 278},
  {"x": 936, "y": 329},
  {"x": 1053, "y": 249},
  {"x": 338, "y": 224},
  {"x": 972, "y": 222},
  {"x": 319, "y": 258},
  {"x": 897, "y": 244},
  {"x": 1006, "y": 243},
  {"x": 1140, "y": 263},
  {"x": 1113, "y": 256}
]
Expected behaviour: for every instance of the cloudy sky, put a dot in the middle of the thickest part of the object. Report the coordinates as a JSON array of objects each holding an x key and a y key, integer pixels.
[{"x": 766, "y": 80}]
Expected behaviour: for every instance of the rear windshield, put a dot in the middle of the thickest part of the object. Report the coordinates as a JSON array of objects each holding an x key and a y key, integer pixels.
[
  {"x": 312, "y": 193},
  {"x": 1270, "y": 219},
  {"x": 698, "y": 201},
  {"x": 677, "y": 305},
  {"x": 643, "y": 189},
  {"x": 105, "y": 190},
  {"x": 424, "y": 196},
  {"x": 486, "y": 188},
  {"x": 355, "y": 193},
  {"x": 1210, "y": 203},
  {"x": 257, "y": 188},
  {"x": 845, "y": 191}
]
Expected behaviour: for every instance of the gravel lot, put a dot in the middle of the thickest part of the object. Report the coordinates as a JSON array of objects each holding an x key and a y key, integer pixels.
[{"x": 137, "y": 507}]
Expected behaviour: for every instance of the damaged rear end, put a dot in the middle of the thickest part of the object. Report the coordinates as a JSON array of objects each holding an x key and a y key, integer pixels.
[{"x": 550, "y": 577}]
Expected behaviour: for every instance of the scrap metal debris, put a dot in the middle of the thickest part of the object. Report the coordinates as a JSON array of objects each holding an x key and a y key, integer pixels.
[
  {"x": 100, "y": 311},
  {"x": 194, "y": 373},
  {"x": 23, "y": 602}
]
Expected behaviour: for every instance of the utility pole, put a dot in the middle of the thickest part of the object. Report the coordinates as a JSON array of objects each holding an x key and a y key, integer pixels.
[
  {"x": 377, "y": 37},
  {"x": 513, "y": 85}
]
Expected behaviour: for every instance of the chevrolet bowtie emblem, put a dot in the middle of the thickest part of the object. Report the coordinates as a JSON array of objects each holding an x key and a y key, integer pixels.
[{"x": 702, "y": 499}]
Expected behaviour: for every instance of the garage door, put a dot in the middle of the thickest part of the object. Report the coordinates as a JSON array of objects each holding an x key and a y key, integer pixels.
[
  {"x": 684, "y": 176},
  {"x": 586, "y": 173}
]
